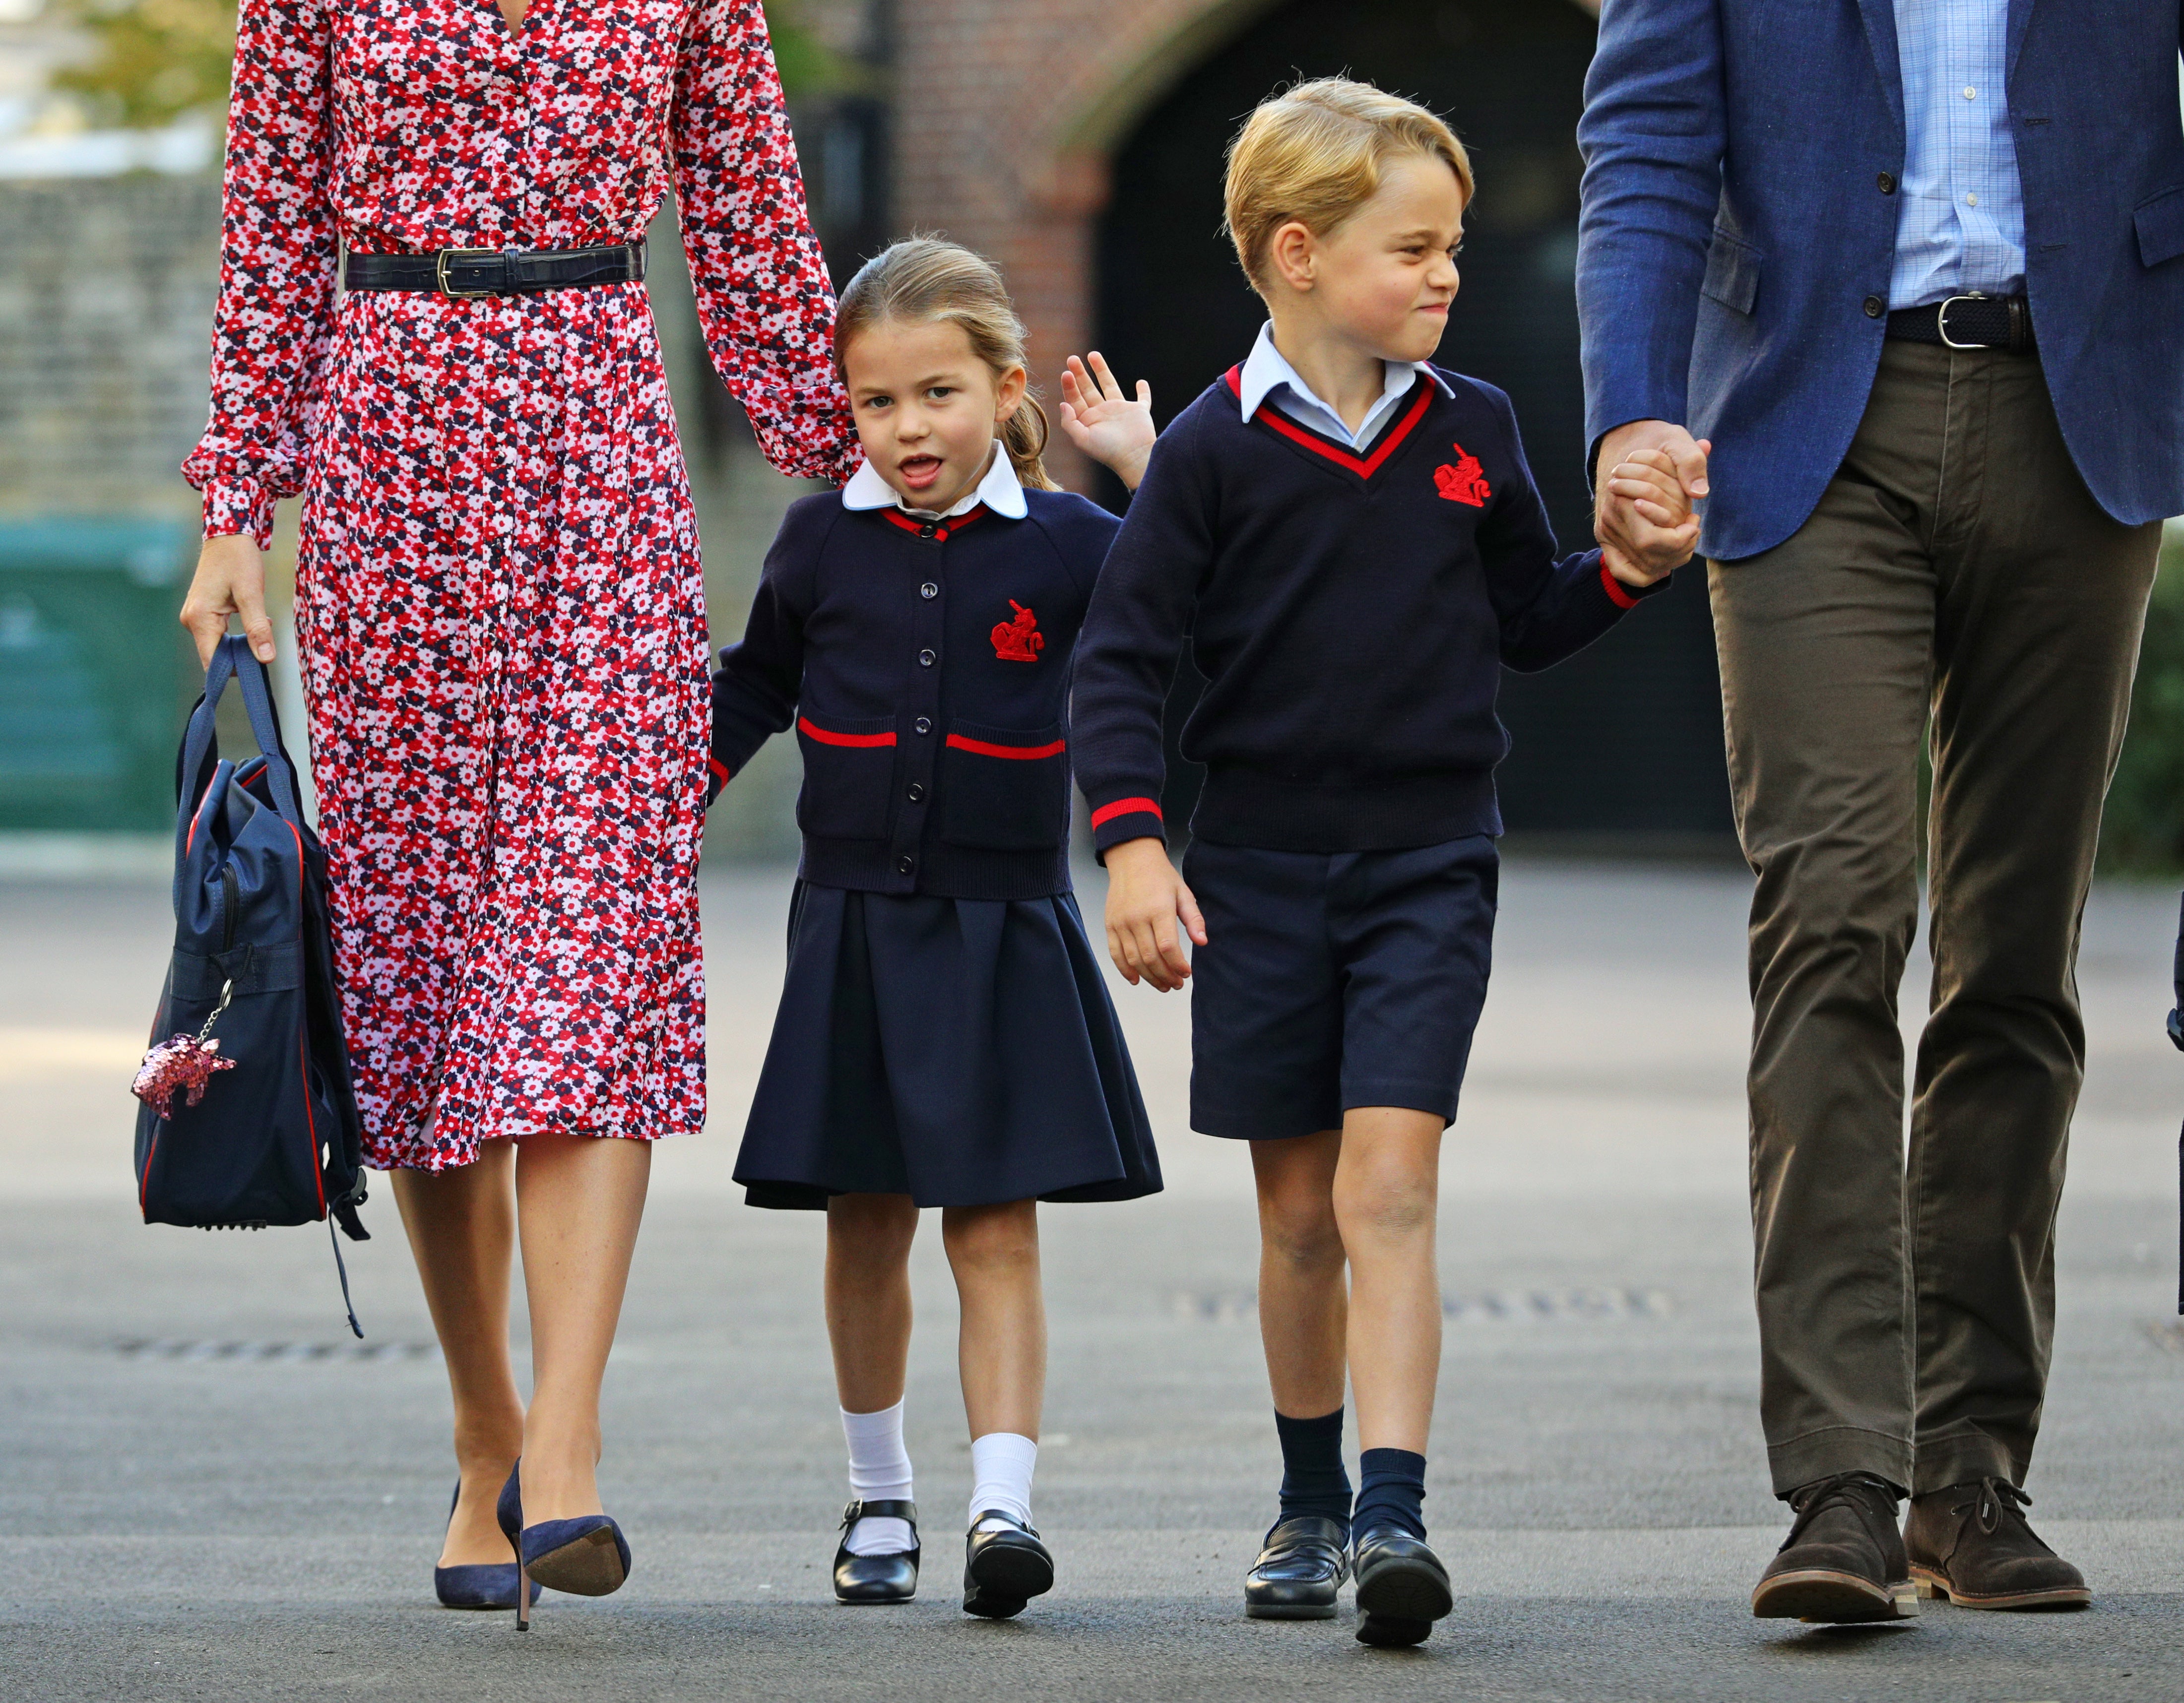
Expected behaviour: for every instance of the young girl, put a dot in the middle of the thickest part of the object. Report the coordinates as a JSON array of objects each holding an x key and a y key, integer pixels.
[{"x": 944, "y": 1037}]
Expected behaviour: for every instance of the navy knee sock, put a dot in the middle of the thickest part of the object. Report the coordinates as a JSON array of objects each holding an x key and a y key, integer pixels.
[
  {"x": 1391, "y": 1490},
  {"x": 1313, "y": 1481}
]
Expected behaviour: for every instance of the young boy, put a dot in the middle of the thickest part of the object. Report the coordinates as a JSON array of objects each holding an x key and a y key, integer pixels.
[{"x": 1354, "y": 542}]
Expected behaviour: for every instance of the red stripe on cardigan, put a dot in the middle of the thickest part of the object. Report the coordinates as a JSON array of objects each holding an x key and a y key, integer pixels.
[
  {"x": 1364, "y": 467},
  {"x": 1617, "y": 594},
  {"x": 1124, "y": 807},
  {"x": 826, "y": 736},
  {"x": 1022, "y": 754}
]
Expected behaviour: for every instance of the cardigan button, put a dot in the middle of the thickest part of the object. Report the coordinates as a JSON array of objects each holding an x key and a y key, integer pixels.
[
  {"x": 929, "y": 590},
  {"x": 926, "y": 659},
  {"x": 923, "y": 724},
  {"x": 906, "y": 864},
  {"x": 917, "y": 792},
  {"x": 925, "y": 531}
]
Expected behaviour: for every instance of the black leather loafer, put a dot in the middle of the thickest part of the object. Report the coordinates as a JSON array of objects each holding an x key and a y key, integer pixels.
[
  {"x": 877, "y": 1579},
  {"x": 1003, "y": 1569},
  {"x": 1402, "y": 1588},
  {"x": 1303, "y": 1564}
]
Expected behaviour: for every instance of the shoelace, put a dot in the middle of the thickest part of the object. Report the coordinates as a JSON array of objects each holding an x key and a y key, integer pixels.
[
  {"x": 1996, "y": 1500},
  {"x": 1816, "y": 1498}
]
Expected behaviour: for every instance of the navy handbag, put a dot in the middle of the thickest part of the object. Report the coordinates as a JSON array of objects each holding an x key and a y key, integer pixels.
[{"x": 249, "y": 1116}]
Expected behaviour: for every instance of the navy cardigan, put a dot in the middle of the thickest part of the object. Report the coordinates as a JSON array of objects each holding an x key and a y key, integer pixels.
[
  {"x": 1352, "y": 611},
  {"x": 925, "y": 665}
]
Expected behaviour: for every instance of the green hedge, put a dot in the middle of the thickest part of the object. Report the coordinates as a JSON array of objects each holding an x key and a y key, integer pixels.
[{"x": 2143, "y": 831}]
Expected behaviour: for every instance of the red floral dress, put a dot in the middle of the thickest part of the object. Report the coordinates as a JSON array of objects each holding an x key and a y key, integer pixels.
[{"x": 499, "y": 601}]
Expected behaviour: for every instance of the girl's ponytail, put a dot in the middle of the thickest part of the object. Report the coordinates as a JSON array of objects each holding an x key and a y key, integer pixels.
[
  {"x": 1024, "y": 435},
  {"x": 922, "y": 279}
]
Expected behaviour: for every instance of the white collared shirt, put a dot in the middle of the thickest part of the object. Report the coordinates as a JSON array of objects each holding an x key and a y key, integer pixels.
[
  {"x": 1000, "y": 490},
  {"x": 1267, "y": 373}
]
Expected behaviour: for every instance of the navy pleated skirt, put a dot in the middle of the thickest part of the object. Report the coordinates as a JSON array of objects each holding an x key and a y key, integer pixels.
[{"x": 963, "y": 1052}]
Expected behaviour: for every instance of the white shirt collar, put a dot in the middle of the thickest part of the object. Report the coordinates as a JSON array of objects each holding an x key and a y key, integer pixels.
[
  {"x": 1268, "y": 369},
  {"x": 1000, "y": 490}
]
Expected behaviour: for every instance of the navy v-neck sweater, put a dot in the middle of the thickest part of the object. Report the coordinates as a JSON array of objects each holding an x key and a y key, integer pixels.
[{"x": 1351, "y": 611}]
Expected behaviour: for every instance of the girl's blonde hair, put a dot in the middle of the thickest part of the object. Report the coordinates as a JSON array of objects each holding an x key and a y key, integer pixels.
[
  {"x": 1314, "y": 153},
  {"x": 924, "y": 279}
]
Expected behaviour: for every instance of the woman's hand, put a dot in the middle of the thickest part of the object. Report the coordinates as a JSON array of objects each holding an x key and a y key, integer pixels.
[
  {"x": 1106, "y": 424},
  {"x": 230, "y": 580},
  {"x": 1145, "y": 897}
]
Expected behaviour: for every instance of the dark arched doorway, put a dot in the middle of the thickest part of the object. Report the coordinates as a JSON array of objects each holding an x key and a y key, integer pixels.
[{"x": 1624, "y": 741}]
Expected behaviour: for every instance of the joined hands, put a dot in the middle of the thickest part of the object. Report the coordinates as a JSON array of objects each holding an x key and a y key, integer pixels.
[{"x": 1643, "y": 518}]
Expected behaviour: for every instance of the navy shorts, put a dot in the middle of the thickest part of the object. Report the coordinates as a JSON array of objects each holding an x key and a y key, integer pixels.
[{"x": 1331, "y": 980}]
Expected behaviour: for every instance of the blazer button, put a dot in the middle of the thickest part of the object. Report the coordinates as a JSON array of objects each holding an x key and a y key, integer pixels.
[
  {"x": 929, "y": 590},
  {"x": 917, "y": 792},
  {"x": 906, "y": 864},
  {"x": 1887, "y": 181},
  {"x": 926, "y": 659},
  {"x": 923, "y": 724},
  {"x": 1874, "y": 307}
]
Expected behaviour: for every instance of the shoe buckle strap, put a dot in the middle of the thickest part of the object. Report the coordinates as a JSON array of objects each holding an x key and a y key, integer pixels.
[{"x": 857, "y": 1510}]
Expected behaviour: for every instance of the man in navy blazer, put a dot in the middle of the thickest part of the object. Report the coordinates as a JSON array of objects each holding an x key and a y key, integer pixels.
[{"x": 1915, "y": 268}]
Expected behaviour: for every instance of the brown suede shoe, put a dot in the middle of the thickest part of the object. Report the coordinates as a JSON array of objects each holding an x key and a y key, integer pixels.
[
  {"x": 1843, "y": 1560},
  {"x": 1971, "y": 1544}
]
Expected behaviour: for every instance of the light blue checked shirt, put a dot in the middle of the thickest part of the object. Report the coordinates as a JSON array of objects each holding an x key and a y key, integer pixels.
[{"x": 1961, "y": 226}]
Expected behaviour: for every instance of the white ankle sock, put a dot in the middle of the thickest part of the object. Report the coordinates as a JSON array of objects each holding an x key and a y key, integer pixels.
[
  {"x": 879, "y": 1471},
  {"x": 1001, "y": 1466}
]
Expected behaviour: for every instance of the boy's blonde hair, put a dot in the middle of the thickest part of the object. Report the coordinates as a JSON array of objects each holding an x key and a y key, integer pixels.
[
  {"x": 1315, "y": 153},
  {"x": 923, "y": 279}
]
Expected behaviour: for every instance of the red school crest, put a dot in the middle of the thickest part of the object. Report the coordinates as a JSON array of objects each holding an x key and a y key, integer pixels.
[
  {"x": 1465, "y": 482},
  {"x": 1019, "y": 640}
]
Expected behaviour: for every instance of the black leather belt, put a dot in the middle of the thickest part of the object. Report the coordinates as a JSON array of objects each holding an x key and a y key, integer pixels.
[
  {"x": 498, "y": 272},
  {"x": 1968, "y": 322}
]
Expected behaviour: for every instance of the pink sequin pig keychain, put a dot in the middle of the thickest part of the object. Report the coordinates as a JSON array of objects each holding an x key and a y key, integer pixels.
[{"x": 183, "y": 1065}]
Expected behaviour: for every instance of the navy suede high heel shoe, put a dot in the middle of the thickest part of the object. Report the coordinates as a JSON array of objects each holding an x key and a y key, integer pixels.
[
  {"x": 586, "y": 1557},
  {"x": 489, "y": 1584},
  {"x": 509, "y": 1511}
]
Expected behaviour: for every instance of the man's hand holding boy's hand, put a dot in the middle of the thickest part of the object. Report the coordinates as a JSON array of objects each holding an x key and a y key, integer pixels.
[
  {"x": 1645, "y": 526},
  {"x": 1145, "y": 898},
  {"x": 1103, "y": 422}
]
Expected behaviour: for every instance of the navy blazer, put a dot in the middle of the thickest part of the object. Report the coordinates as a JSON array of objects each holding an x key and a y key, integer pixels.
[
  {"x": 1736, "y": 240},
  {"x": 925, "y": 665}
]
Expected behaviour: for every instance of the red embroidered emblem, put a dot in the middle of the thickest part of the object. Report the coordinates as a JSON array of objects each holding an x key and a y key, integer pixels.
[
  {"x": 1465, "y": 482},
  {"x": 1019, "y": 640}
]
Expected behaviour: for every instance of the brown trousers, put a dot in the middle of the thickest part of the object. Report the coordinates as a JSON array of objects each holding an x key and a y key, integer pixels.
[{"x": 1957, "y": 575}]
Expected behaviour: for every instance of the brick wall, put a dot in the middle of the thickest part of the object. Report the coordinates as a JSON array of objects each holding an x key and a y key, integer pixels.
[
  {"x": 1006, "y": 112},
  {"x": 106, "y": 293}
]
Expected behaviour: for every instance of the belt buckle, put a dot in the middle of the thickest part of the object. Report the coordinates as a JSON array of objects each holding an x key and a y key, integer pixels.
[
  {"x": 1942, "y": 319},
  {"x": 441, "y": 272}
]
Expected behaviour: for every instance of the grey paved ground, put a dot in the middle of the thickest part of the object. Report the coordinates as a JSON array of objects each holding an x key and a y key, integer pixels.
[{"x": 180, "y": 1518}]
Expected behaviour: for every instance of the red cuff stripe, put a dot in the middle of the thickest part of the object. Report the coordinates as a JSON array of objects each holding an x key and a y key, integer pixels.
[
  {"x": 1022, "y": 754},
  {"x": 720, "y": 770},
  {"x": 825, "y": 737},
  {"x": 1617, "y": 593},
  {"x": 1124, "y": 807}
]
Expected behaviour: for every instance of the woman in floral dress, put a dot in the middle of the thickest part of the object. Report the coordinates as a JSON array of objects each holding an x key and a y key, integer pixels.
[{"x": 500, "y": 611}]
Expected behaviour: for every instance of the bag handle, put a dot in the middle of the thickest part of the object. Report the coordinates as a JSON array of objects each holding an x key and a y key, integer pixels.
[{"x": 229, "y": 660}]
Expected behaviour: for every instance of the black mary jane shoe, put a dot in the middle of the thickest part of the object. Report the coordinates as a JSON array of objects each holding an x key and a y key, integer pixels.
[
  {"x": 1298, "y": 1571},
  {"x": 877, "y": 1579},
  {"x": 1003, "y": 1569},
  {"x": 1402, "y": 1588}
]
